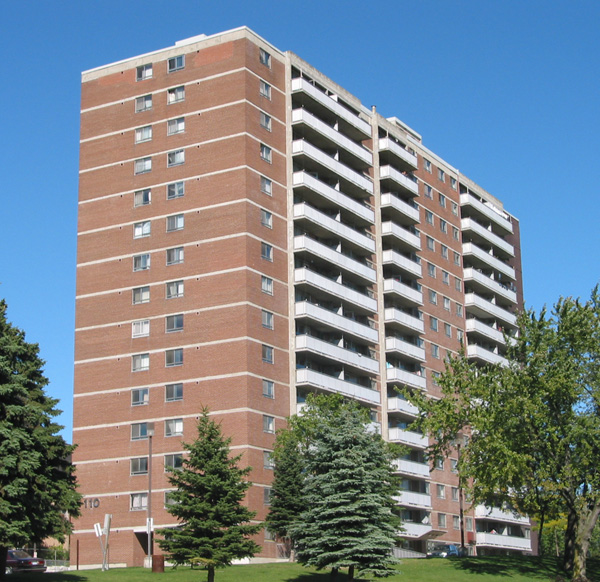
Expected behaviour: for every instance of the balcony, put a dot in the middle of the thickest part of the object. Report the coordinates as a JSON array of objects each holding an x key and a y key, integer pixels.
[
  {"x": 412, "y": 499},
  {"x": 405, "y": 210},
  {"x": 486, "y": 356},
  {"x": 340, "y": 111},
  {"x": 479, "y": 280},
  {"x": 498, "y": 217},
  {"x": 343, "y": 262},
  {"x": 501, "y": 541},
  {"x": 405, "y": 237},
  {"x": 397, "y": 404},
  {"x": 306, "y": 377},
  {"x": 395, "y": 258},
  {"x": 337, "y": 353},
  {"x": 322, "y": 222},
  {"x": 393, "y": 315},
  {"x": 331, "y": 320},
  {"x": 395, "y": 344},
  {"x": 407, "y": 437},
  {"x": 484, "y": 309},
  {"x": 387, "y": 144},
  {"x": 478, "y": 327},
  {"x": 406, "y": 378},
  {"x": 308, "y": 277},
  {"x": 412, "y": 469},
  {"x": 333, "y": 136},
  {"x": 468, "y": 224},
  {"x": 337, "y": 198},
  {"x": 497, "y": 514},
  {"x": 477, "y": 254},
  {"x": 406, "y": 292},
  {"x": 404, "y": 182},
  {"x": 415, "y": 530}
]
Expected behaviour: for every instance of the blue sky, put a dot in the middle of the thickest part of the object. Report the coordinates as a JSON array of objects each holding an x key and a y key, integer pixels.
[{"x": 506, "y": 91}]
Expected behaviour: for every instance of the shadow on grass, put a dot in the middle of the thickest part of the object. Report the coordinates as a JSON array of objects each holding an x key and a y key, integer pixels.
[
  {"x": 46, "y": 577},
  {"x": 507, "y": 566}
]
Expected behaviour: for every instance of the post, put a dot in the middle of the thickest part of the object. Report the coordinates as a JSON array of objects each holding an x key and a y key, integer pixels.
[
  {"x": 461, "y": 510},
  {"x": 150, "y": 433}
]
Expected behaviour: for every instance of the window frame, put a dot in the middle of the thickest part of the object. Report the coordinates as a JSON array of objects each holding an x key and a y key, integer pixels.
[
  {"x": 142, "y": 326},
  {"x": 265, "y": 90},
  {"x": 142, "y": 166},
  {"x": 176, "y": 158},
  {"x": 142, "y": 292},
  {"x": 176, "y": 190},
  {"x": 266, "y": 153},
  {"x": 140, "y": 396},
  {"x": 268, "y": 388},
  {"x": 143, "y": 134},
  {"x": 141, "y": 428},
  {"x": 141, "y": 73},
  {"x": 266, "y": 285},
  {"x": 176, "y": 63},
  {"x": 141, "y": 262},
  {"x": 173, "y": 357},
  {"x": 268, "y": 424},
  {"x": 266, "y": 121},
  {"x": 133, "y": 506},
  {"x": 266, "y": 251},
  {"x": 168, "y": 295},
  {"x": 176, "y": 389},
  {"x": 268, "y": 319},
  {"x": 173, "y": 427},
  {"x": 137, "y": 466},
  {"x": 142, "y": 229},
  {"x": 173, "y": 94},
  {"x": 145, "y": 195},
  {"x": 175, "y": 125},
  {"x": 141, "y": 358},
  {"x": 174, "y": 323},
  {"x": 175, "y": 222},
  {"x": 143, "y": 103},
  {"x": 176, "y": 255},
  {"x": 264, "y": 58},
  {"x": 266, "y": 218},
  {"x": 173, "y": 462},
  {"x": 268, "y": 354}
]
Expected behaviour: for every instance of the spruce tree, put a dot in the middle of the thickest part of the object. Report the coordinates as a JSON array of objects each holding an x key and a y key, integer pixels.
[
  {"x": 37, "y": 485},
  {"x": 214, "y": 525}
]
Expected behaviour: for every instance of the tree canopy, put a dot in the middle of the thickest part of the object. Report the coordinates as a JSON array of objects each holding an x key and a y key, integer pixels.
[
  {"x": 214, "y": 525},
  {"x": 534, "y": 423},
  {"x": 37, "y": 484}
]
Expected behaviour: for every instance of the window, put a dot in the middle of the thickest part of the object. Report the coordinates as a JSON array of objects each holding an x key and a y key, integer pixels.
[
  {"x": 174, "y": 222},
  {"x": 175, "y": 158},
  {"x": 139, "y": 431},
  {"x": 427, "y": 165},
  {"x": 141, "y": 262},
  {"x": 266, "y": 251},
  {"x": 428, "y": 217},
  {"x": 175, "y": 94},
  {"x": 441, "y": 491},
  {"x": 139, "y": 466},
  {"x": 266, "y": 186},
  {"x": 140, "y": 295},
  {"x": 428, "y": 191},
  {"x": 442, "y": 520},
  {"x": 138, "y": 502},
  {"x": 439, "y": 463},
  {"x": 175, "y": 256},
  {"x": 266, "y": 285},
  {"x": 445, "y": 278},
  {"x": 454, "y": 207},
  {"x": 454, "y": 465},
  {"x": 175, "y": 63},
  {"x": 142, "y": 197},
  {"x": 455, "y": 522},
  {"x": 443, "y": 226},
  {"x": 455, "y": 234},
  {"x": 460, "y": 334},
  {"x": 143, "y": 103},
  {"x": 431, "y": 269},
  {"x": 469, "y": 523},
  {"x": 441, "y": 175},
  {"x": 141, "y": 229},
  {"x": 268, "y": 460},
  {"x": 267, "y": 319},
  {"x": 459, "y": 310},
  {"x": 266, "y": 218},
  {"x": 265, "y": 121},
  {"x": 435, "y": 351},
  {"x": 265, "y": 153},
  {"x": 176, "y": 126},
  {"x": 269, "y": 536},
  {"x": 454, "y": 493},
  {"x": 267, "y": 496},
  {"x": 174, "y": 289},
  {"x": 140, "y": 362},
  {"x": 174, "y": 322},
  {"x": 173, "y": 392},
  {"x": 456, "y": 258},
  {"x": 435, "y": 379},
  {"x": 265, "y": 90},
  {"x": 444, "y": 249},
  {"x": 433, "y": 323},
  {"x": 174, "y": 357},
  {"x": 447, "y": 303},
  {"x": 430, "y": 244},
  {"x": 175, "y": 190},
  {"x": 447, "y": 330},
  {"x": 169, "y": 498},
  {"x": 265, "y": 58},
  {"x": 140, "y": 396},
  {"x": 442, "y": 200},
  {"x": 268, "y": 389},
  {"x": 174, "y": 427},
  {"x": 173, "y": 462},
  {"x": 142, "y": 166},
  {"x": 432, "y": 297},
  {"x": 143, "y": 134},
  {"x": 267, "y": 354},
  {"x": 140, "y": 328},
  {"x": 453, "y": 183},
  {"x": 144, "y": 72},
  {"x": 268, "y": 424},
  {"x": 457, "y": 284}
]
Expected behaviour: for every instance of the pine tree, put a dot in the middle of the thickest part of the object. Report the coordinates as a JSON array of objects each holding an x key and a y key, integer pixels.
[
  {"x": 37, "y": 485},
  {"x": 349, "y": 519},
  {"x": 214, "y": 525}
]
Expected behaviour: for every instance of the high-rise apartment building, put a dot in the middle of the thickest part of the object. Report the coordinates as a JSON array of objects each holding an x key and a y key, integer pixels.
[{"x": 249, "y": 233}]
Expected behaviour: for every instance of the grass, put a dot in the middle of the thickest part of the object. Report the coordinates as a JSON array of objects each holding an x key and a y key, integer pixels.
[{"x": 490, "y": 569}]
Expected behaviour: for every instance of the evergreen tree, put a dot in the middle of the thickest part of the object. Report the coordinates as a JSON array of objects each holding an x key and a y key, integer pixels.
[
  {"x": 214, "y": 525},
  {"x": 37, "y": 485},
  {"x": 349, "y": 519}
]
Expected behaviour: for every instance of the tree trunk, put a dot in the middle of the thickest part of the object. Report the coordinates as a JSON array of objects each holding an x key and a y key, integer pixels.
[
  {"x": 556, "y": 542},
  {"x": 3, "y": 552},
  {"x": 570, "y": 540},
  {"x": 211, "y": 574},
  {"x": 351, "y": 572},
  {"x": 333, "y": 575},
  {"x": 540, "y": 538},
  {"x": 585, "y": 527}
]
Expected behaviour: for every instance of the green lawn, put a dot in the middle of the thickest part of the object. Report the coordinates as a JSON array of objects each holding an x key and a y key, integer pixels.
[{"x": 433, "y": 570}]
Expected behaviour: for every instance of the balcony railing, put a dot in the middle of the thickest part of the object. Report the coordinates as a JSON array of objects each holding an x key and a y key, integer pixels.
[
  {"x": 395, "y": 258},
  {"x": 407, "y": 437},
  {"x": 337, "y": 353},
  {"x": 395, "y": 344},
  {"x": 504, "y": 542},
  {"x": 412, "y": 468},
  {"x": 479, "y": 278},
  {"x": 397, "y": 404},
  {"x": 490, "y": 260},
  {"x": 385, "y": 143},
  {"x": 413, "y": 241},
  {"x": 488, "y": 235},
  {"x": 406, "y": 378},
  {"x": 486, "y": 309},
  {"x": 476, "y": 326},
  {"x": 305, "y": 376},
  {"x": 486, "y": 210},
  {"x": 412, "y": 499},
  {"x": 412, "y": 296},
  {"x": 402, "y": 207},
  {"x": 407, "y": 184},
  {"x": 393, "y": 315},
  {"x": 479, "y": 353},
  {"x": 497, "y": 514},
  {"x": 414, "y": 530}
]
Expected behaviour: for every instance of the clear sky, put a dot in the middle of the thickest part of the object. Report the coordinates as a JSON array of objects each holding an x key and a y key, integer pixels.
[{"x": 507, "y": 91}]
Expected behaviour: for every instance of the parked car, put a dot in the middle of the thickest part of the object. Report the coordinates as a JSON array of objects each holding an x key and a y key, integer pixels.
[
  {"x": 445, "y": 551},
  {"x": 21, "y": 561}
]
